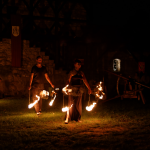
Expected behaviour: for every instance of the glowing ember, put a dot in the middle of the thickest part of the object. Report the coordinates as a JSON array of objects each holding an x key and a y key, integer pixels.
[
  {"x": 56, "y": 89},
  {"x": 89, "y": 108},
  {"x": 32, "y": 104}
]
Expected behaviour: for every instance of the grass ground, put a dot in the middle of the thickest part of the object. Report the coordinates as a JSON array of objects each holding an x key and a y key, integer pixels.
[{"x": 114, "y": 125}]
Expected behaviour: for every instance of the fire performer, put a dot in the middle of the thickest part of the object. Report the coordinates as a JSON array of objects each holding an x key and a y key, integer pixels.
[
  {"x": 38, "y": 74},
  {"x": 75, "y": 82}
]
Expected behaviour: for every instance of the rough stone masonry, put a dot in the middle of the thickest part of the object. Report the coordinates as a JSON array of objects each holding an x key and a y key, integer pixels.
[{"x": 16, "y": 80}]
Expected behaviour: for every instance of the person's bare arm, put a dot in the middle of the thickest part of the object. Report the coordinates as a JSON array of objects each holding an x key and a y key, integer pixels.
[
  {"x": 86, "y": 83},
  {"x": 31, "y": 79},
  {"x": 48, "y": 79},
  {"x": 69, "y": 79}
]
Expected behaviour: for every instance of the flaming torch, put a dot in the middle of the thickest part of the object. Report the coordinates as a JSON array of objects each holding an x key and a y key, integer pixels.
[{"x": 32, "y": 104}]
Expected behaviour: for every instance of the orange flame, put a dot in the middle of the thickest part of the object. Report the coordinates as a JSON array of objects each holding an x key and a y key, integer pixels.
[
  {"x": 32, "y": 104},
  {"x": 64, "y": 109},
  {"x": 65, "y": 90},
  {"x": 100, "y": 90},
  {"x": 89, "y": 108},
  {"x": 44, "y": 93},
  {"x": 51, "y": 102}
]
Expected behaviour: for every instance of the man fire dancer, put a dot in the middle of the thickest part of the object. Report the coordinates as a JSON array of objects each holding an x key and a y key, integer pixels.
[
  {"x": 38, "y": 74},
  {"x": 75, "y": 82}
]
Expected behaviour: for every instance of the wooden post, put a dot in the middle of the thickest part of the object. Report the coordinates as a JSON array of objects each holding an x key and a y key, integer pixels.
[{"x": 142, "y": 97}]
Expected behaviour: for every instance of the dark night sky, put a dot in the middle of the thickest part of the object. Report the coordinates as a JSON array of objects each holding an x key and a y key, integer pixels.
[{"x": 128, "y": 20}]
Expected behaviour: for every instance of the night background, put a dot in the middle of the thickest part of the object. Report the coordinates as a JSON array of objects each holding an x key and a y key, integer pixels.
[{"x": 99, "y": 33}]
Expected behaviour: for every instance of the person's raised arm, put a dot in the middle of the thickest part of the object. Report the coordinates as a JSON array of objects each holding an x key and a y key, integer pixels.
[
  {"x": 31, "y": 79},
  {"x": 86, "y": 83},
  {"x": 48, "y": 79}
]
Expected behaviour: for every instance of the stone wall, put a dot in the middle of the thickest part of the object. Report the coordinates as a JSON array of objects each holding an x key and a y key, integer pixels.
[{"x": 16, "y": 80}]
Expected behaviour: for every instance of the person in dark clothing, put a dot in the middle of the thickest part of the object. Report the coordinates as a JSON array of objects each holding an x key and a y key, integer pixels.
[
  {"x": 38, "y": 74},
  {"x": 75, "y": 82}
]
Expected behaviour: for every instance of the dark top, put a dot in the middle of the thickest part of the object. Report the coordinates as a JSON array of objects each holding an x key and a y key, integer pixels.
[
  {"x": 39, "y": 76},
  {"x": 77, "y": 78}
]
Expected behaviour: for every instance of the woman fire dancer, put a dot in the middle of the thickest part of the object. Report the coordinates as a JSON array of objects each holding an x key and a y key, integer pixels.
[{"x": 75, "y": 82}]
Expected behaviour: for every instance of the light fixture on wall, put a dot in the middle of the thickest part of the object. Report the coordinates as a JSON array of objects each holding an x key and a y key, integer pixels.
[{"x": 116, "y": 65}]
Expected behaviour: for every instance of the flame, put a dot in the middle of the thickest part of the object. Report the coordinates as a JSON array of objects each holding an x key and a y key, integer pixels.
[
  {"x": 64, "y": 109},
  {"x": 56, "y": 89},
  {"x": 32, "y": 104},
  {"x": 100, "y": 94},
  {"x": 51, "y": 102},
  {"x": 89, "y": 108},
  {"x": 44, "y": 93},
  {"x": 65, "y": 90}
]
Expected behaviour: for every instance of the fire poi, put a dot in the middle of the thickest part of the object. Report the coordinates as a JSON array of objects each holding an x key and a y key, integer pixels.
[
  {"x": 53, "y": 94},
  {"x": 32, "y": 104},
  {"x": 99, "y": 94},
  {"x": 89, "y": 108},
  {"x": 43, "y": 94},
  {"x": 66, "y": 90},
  {"x": 51, "y": 102}
]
